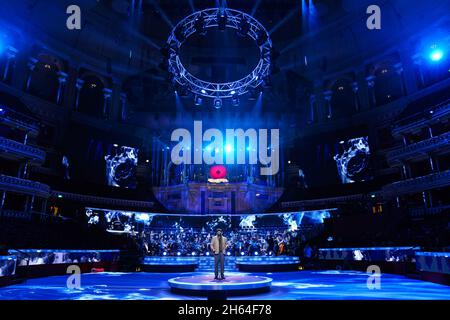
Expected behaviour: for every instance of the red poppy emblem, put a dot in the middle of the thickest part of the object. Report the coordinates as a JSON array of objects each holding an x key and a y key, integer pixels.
[{"x": 218, "y": 172}]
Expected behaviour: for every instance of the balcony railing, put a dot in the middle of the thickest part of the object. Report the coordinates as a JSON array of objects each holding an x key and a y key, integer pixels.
[
  {"x": 18, "y": 185},
  {"x": 418, "y": 148},
  {"x": 419, "y": 120},
  {"x": 103, "y": 201},
  {"x": 20, "y": 150},
  {"x": 419, "y": 184}
]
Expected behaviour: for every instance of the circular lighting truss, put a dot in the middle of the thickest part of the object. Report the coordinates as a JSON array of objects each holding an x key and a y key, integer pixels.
[{"x": 199, "y": 22}]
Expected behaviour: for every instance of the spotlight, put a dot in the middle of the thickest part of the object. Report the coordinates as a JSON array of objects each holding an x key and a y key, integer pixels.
[
  {"x": 233, "y": 92},
  {"x": 199, "y": 25},
  {"x": 228, "y": 148},
  {"x": 217, "y": 103},
  {"x": 203, "y": 91},
  {"x": 256, "y": 253},
  {"x": 436, "y": 55},
  {"x": 244, "y": 28},
  {"x": 228, "y": 253},
  {"x": 115, "y": 145},
  {"x": 270, "y": 253},
  {"x": 207, "y": 253},
  {"x": 193, "y": 253},
  {"x": 164, "y": 253},
  {"x": 198, "y": 100},
  {"x": 222, "y": 20},
  {"x": 178, "y": 253},
  {"x": 235, "y": 101},
  {"x": 242, "y": 253}
]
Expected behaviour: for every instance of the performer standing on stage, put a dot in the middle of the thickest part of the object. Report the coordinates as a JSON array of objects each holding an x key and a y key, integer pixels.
[{"x": 218, "y": 246}]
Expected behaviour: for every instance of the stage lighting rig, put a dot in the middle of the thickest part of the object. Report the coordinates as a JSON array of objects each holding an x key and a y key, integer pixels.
[
  {"x": 222, "y": 20},
  {"x": 245, "y": 25},
  {"x": 218, "y": 103},
  {"x": 198, "y": 100},
  {"x": 244, "y": 28},
  {"x": 179, "y": 33},
  {"x": 199, "y": 24}
]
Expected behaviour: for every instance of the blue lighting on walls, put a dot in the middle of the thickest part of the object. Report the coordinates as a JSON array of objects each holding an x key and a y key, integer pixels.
[{"x": 2, "y": 43}]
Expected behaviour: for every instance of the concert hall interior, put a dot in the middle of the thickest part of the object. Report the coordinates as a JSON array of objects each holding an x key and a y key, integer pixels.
[{"x": 314, "y": 134}]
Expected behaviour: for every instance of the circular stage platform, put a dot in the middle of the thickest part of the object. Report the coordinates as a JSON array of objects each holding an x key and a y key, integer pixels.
[{"x": 233, "y": 285}]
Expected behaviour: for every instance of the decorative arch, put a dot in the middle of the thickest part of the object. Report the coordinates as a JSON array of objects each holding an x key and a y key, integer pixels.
[
  {"x": 388, "y": 82},
  {"x": 44, "y": 77},
  {"x": 92, "y": 95},
  {"x": 342, "y": 94}
]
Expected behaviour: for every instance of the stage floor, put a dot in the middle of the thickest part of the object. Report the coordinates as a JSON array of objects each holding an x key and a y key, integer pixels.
[{"x": 300, "y": 285}]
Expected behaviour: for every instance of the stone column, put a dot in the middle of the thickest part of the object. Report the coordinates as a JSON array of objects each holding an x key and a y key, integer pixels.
[
  {"x": 2, "y": 200},
  {"x": 11, "y": 54},
  {"x": 78, "y": 85},
  {"x": 371, "y": 91},
  {"x": 62, "y": 79},
  {"x": 432, "y": 164},
  {"x": 107, "y": 93},
  {"x": 312, "y": 106},
  {"x": 355, "y": 89},
  {"x": 31, "y": 66},
  {"x": 398, "y": 68},
  {"x": 405, "y": 140},
  {"x": 327, "y": 96},
  {"x": 44, "y": 206},
  {"x": 123, "y": 107},
  {"x": 405, "y": 170}
]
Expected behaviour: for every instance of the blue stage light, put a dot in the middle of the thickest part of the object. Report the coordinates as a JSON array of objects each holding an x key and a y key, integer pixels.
[
  {"x": 242, "y": 253},
  {"x": 164, "y": 253},
  {"x": 233, "y": 92},
  {"x": 178, "y": 253},
  {"x": 228, "y": 148},
  {"x": 256, "y": 253},
  {"x": 436, "y": 55},
  {"x": 207, "y": 253},
  {"x": 203, "y": 91},
  {"x": 228, "y": 253},
  {"x": 193, "y": 253}
]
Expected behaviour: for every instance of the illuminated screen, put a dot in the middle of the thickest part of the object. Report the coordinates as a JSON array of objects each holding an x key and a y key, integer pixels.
[
  {"x": 121, "y": 167},
  {"x": 126, "y": 221},
  {"x": 353, "y": 160}
]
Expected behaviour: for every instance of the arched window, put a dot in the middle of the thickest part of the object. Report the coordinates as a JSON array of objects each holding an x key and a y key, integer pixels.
[
  {"x": 388, "y": 83},
  {"x": 342, "y": 98},
  {"x": 92, "y": 96},
  {"x": 44, "y": 81}
]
